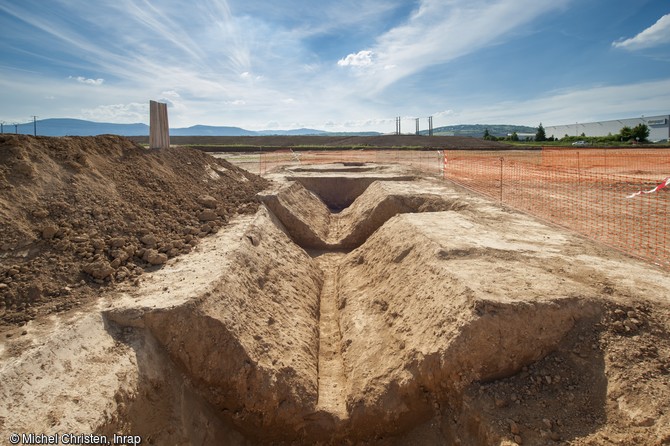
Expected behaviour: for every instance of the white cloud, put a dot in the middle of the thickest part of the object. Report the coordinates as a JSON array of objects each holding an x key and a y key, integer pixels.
[
  {"x": 360, "y": 59},
  {"x": 656, "y": 34},
  {"x": 83, "y": 80},
  {"x": 122, "y": 113}
]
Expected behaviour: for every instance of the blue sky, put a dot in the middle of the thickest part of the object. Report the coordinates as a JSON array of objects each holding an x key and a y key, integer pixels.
[{"x": 345, "y": 65}]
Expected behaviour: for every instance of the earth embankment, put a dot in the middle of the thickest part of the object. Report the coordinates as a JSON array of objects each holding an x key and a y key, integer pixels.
[{"x": 79, "y": 213}]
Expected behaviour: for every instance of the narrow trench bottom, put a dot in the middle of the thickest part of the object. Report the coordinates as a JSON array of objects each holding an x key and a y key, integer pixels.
[{"x": 331, "y": 376}]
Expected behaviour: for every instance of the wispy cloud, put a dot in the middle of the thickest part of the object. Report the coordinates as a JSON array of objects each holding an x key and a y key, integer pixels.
[
  {"x": 570, "y": 106},
  {"x": 329, "y": 17},
  {"x": 252, "y": 63},
  {"x": 657, "y": 34},
  {"x": 438, "y": 32}
]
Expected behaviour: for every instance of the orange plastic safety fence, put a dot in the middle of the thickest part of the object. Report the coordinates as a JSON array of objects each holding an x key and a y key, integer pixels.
[
  {"x": 642, "y": 163},
  {"x": 584, "y": 190}
]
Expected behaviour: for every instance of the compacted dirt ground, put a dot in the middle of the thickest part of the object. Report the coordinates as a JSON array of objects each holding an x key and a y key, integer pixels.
[
  {"x": 231, "y": 143},
  {"x": 344, "y": 304}
]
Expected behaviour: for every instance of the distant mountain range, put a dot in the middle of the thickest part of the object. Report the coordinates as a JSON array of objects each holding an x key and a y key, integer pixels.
[{"x": 78, "y": 127}]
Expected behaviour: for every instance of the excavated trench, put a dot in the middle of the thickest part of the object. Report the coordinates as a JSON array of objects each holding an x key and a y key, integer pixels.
[{"x": 343, "y": 313}]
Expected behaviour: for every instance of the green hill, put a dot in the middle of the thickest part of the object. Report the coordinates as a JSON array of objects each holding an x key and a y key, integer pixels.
[{"x": 477, "y": 130}]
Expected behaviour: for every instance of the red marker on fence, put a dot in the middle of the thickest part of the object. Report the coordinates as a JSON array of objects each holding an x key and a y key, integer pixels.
[{"x": 663, "y": 185}]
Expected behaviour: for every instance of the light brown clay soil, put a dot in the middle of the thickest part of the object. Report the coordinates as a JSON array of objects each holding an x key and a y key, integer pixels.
[{"x": 419, "y": 314}]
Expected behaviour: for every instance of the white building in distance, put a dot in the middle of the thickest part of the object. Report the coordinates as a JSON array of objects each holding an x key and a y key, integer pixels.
[{"x": 659, "y": 127}]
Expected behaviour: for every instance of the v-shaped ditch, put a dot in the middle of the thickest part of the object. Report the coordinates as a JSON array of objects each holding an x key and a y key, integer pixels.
[
  {"x": 329, "y": 217},
  {"x": 312, "y": 224},
  {"x": 324, "y": 326}
]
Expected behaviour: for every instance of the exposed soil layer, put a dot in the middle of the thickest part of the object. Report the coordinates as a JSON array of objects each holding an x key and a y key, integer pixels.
[
  {"x": 260, "y": 372},
  {"x": 339, "y": 192},
  {"x": 331, "y": 405},
  {"x": 448, "y": 321},
  {"x": 79, "y": 213}
]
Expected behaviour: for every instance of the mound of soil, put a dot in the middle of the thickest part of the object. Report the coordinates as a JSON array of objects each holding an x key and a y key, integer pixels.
[{"x": 79, "y": 213}]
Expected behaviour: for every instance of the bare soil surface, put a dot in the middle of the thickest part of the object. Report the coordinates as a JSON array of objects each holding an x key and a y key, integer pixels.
[
  {"x": 450, "y": 320},
  {"x": 332, "y": 380},
  {"x": 214, "y": 143},
  {"x": 79, "y": 214}
]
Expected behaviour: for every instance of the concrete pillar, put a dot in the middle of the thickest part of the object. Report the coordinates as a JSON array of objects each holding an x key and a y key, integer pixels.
[{"x": 159, "y": 130}]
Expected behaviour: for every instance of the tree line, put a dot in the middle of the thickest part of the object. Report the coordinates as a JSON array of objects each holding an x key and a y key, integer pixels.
[{"x": 639, "y": 133}]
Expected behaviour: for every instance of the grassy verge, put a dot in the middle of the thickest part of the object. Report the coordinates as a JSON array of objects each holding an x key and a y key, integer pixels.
[{"x": 597, "y": 145}]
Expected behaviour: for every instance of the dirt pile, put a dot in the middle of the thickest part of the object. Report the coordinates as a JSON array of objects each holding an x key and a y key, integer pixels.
[
  {"x": 83, "y": 212},
  {"x": 603, "y": 385}
]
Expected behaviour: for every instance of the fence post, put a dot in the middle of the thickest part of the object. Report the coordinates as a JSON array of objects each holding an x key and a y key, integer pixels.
[
  {"x": 260, "y": 161},
  {"x": 501, "y": 179},
  {"x": 442, "y": 162},
  {"x": 579, "y": 171}
]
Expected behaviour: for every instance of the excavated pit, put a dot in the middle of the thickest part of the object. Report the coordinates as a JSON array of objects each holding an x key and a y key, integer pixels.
[
  {"x": 417, "y": 314},
  {"x": 350, "y": 326},
  {"x": 311, "y": 224},
  {"x": 337, "y": 186}
]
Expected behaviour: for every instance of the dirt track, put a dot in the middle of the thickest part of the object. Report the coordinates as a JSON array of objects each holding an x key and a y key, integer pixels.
[{"x": 400, "y": 310}]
